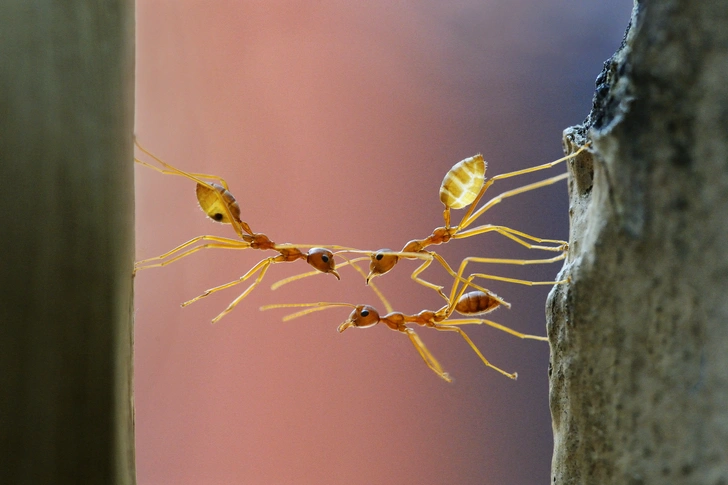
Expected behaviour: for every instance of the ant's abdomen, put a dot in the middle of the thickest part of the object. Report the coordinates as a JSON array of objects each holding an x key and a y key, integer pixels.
[
  {"x": 477, "y": 303},
  {"x": 463, "y": 182},
  {"x": 211, "y": 204}
]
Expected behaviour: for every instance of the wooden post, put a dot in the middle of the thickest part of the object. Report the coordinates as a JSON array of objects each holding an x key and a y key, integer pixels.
[
  {"x": 66, "y": 244},
  {"x": 639, "y": 364}
]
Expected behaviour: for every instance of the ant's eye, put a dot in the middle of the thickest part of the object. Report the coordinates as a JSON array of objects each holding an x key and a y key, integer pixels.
[
  {"x": 379, "y": 256},
  {"x": 325, "y": 258},
  {"x": 217, "y": 217},
  {"x": 365, "y": 313}
]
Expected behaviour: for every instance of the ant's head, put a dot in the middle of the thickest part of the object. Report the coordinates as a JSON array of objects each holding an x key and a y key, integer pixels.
[
  {"x": 323, "y": 260},
  {"x": 381, "y": 262},
  {"x": 363, "y": 316}
]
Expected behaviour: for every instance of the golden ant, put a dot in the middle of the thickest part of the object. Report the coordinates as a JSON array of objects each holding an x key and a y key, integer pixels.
[
  {"x": 464, "y": 185},
  {"x": 469, "y": 304},
  {"x": 220, "y": 205}
]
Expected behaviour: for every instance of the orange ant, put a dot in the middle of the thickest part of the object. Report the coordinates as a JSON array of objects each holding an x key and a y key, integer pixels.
[
  {"x": 469, "y": 304},
  {"x": 220, "y": 205},
  {"x": 464, "y": 185}
]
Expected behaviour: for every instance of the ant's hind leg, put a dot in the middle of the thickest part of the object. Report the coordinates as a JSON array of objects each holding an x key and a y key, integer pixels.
[
  {"x": 172, "y": 170},
  {"x": 517, "y": 281},
  {"x": 517, "y": 236},
  {"x": 480, "y": 321},
  {"x": 218, "y": 242},
  {"x": 470, "y": 218},
  {"x": 261, "y": 266},
  {"x": 426, "y": 355},
  {"x": 448, "y": 328},
  {"x": 519, "y": 262},
  {"x": 247, "y": 291},
  {"x": 542, "y": 166}
]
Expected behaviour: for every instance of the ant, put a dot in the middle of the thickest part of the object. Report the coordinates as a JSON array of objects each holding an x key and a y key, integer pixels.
[
  {"x": 464, "y": 185},
  {"x": 471, "y": 304},
  {"x": 220, "y": 205}
]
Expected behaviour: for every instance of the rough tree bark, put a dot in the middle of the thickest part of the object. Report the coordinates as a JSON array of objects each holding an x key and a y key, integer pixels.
[
  {"x": 66, "y": 251},
  {"x": 639, "y": 364}
]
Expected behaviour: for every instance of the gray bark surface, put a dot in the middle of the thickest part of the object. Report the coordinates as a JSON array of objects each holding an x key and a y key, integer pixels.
[
  {"x": 639, "y": 364},
  {"x": 66, "y": 165}
]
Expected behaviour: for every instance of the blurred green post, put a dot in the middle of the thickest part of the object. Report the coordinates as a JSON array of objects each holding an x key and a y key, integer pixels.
[{"x": 66, "y": 241}]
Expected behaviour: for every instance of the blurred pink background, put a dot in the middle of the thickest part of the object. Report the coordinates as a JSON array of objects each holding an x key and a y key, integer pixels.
[{"x": 334, "y": 123}]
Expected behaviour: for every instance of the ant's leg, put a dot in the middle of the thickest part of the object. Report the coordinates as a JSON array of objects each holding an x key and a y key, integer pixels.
[
  {"x": 172, "y": 170},
  {"x": 187, "y": 253},
  {"x": 215, "y": 178},
  {"x": 516, "y": 236},
  {"x": 194, "y": 176},
  {"x": 426, "y": 355},
  {"x": 333, "y": 247},
  {"x": 149, "y": 165},
  {"x": 223, "y": 243},
  {"x": 428, "y": 256},
  {"x": 465, "y": 321},
  {"x": 262, "y": 264},
  {"x": 247, "y": 291},
  {"x": 416, "y": 278},
  {"x": 543, "y": 166},
  {"x": 519, "y": 262},
  {"x": 467, "y": 220},
  {"x": 469, "y": 217},
  {"x": 517, "y": 281},
  {"x": 458, "y": 278},
  {"x": 477, "y": 351},
  {"x": 296, "y": 277}
]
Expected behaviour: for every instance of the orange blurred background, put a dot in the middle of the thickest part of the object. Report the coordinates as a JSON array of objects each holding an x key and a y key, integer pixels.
[{"x": 334, "y": 123}]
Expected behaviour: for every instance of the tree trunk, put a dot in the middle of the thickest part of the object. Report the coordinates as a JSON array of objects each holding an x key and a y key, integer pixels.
[
  {"x": 639, "y": 336},
  {"x": 66, "y": 165}
]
